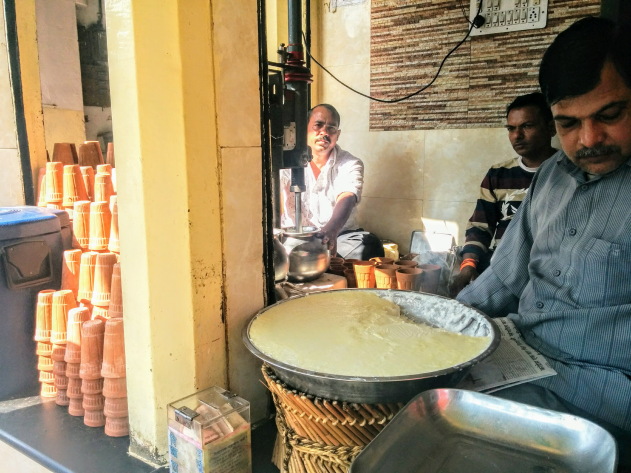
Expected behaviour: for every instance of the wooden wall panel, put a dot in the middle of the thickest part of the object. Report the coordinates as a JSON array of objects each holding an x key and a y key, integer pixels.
[{"x": 409, "y": 39}]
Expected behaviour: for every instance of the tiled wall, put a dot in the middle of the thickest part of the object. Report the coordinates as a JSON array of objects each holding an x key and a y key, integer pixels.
[{"x": 410, "y": 38}]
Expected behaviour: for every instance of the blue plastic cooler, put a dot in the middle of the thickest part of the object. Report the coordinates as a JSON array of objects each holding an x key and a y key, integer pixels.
[{"x": 31, "y": 253}]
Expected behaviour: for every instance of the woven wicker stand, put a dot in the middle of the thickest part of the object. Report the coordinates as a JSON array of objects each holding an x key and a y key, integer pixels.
[{"x": 317, "y": 435}]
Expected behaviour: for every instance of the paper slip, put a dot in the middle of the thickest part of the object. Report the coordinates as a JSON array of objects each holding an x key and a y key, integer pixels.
[{"x": 513, "y": 362}]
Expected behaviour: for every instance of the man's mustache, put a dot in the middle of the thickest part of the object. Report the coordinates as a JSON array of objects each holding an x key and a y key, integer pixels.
[
  {"x": 594, "y": 152},
  {"x": 326, "y": 138}
]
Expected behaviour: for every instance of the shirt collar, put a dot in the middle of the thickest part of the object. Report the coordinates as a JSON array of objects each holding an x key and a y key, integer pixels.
[{"x": 332, "y": 157}]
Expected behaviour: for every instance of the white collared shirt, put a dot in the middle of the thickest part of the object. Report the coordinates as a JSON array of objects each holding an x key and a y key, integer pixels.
[{"x": 342, "y": 172}]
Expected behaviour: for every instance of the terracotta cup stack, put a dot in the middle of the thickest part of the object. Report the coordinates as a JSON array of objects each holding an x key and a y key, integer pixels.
[
  {"x": 86, "y": 277},
  {"x": 62, "y": 302},
  {"x": 114, "y": 369},
  {"x": 73, "y": 187},
  {"x": 54, "y": 183},
  {"x": 87, "y": 174},
  {"x": 76, "y": 318},
  {"x": 102, "y": 288},
  {"x": 103, "y": 186},
  {"x": 70, "y": 271},
  {"x": 100, "y": 223},
  {"x": 92, "y": 335},
  {"x": 115, "y": 308},
  {"x": 113, "y": 244},
  {"x": 61, "y": 383},
  {"x": 43, "y": 317},
  {"x": 43, "y": 325},
  {"x": 81, "y": 225}
]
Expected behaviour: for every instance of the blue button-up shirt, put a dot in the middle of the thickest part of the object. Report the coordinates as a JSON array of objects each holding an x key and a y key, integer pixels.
[{"x": 562, "y": 274}]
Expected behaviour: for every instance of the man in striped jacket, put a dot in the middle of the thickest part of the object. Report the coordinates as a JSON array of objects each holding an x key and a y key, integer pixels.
[{"x": 530, "y": 129}]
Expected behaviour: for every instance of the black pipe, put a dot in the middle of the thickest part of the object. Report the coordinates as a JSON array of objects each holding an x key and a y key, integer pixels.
[
  {"x": 294, "y": 24},
  {"x": 269, "y": 179},
  {"x": 10, "y": 19}
]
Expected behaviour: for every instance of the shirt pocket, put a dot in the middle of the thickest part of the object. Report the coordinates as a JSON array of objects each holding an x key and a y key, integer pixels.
[{"x": 606, "y": 269}]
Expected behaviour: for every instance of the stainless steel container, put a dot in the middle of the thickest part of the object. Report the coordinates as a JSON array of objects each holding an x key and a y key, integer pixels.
[
  {"x": 308, "y": 255},
  {"x": 434, "y": 310},
  {"x": 451, "y": 431}
]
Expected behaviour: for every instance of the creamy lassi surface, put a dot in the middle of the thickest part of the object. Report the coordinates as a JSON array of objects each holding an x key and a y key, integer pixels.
[{"x": 357, "y": 333}]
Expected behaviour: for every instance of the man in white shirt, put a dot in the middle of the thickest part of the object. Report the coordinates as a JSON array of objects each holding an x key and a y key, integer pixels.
[{"x": 334, "y": 179}]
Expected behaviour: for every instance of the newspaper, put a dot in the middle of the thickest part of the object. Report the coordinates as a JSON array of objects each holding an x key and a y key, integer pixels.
[{"x": 513, "y": 362}]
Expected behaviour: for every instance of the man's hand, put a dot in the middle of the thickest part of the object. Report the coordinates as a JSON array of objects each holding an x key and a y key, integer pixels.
[
  {"x": 466, "y": 275},
  {"x": 329, "y": 238},
  {"x": 342, "y": 210}
]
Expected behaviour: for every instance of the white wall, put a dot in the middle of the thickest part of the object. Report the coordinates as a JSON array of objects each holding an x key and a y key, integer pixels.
[
  {"x": 414, "y": 179},
  {"x": 60, "y": 72}
]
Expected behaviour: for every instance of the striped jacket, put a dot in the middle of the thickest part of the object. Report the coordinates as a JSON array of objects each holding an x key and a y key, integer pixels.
[{"x": 501, "y": 192}]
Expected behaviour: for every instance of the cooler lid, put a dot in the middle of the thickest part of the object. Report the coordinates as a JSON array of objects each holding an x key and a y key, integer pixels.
[{"x": 26, "y": 221}]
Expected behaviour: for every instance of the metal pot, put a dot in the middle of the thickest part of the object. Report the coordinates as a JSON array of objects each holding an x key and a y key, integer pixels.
[
  {"x": 281, "y": 260},
  {"x": 308, "y": 255},
  {"x": 431, "y": 309}
]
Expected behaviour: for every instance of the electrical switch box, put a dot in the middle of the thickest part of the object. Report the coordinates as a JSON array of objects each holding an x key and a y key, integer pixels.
[{"x": 502, "y": 16}]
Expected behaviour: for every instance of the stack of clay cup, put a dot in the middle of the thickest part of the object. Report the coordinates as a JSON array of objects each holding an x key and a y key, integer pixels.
[
  {"x": 73, "y": 330},
  {"x": 92, "y": 336},
  {"x": 44, "y": 347},
  {"x": 76, "y": 318},
  {"x": 115, "y": 379},
  {"x": 102, "y": 284},
  {"x": 51, "y": 335}
]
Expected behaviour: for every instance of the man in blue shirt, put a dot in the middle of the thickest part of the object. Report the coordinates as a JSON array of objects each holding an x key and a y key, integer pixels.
[{"x": 562, "y": 271}]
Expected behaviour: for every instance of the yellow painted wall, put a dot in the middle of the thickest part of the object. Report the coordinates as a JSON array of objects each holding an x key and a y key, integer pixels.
[
  {"x": 185, "y": 106},
  {"x": 31, "y": 89}
]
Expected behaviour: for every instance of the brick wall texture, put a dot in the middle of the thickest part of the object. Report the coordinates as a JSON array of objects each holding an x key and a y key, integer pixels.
[{"x": 409, "y": 39}]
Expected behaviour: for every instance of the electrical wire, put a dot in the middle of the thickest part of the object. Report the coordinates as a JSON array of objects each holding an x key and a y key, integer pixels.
[
  {"x": 406, "y": 97},
  {"x": 464, "y": 13}
]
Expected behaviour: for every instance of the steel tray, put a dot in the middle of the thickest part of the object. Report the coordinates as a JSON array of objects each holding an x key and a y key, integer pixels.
[{"x": 452, "y": 430}]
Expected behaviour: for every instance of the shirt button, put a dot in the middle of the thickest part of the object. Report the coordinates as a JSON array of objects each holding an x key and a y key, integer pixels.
[
  {"x": 584, "y": 187},
  {"x": 572, "y": 231},
  {"x": 539, "y": 305},
  {"x": 557, "y": 272}
]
